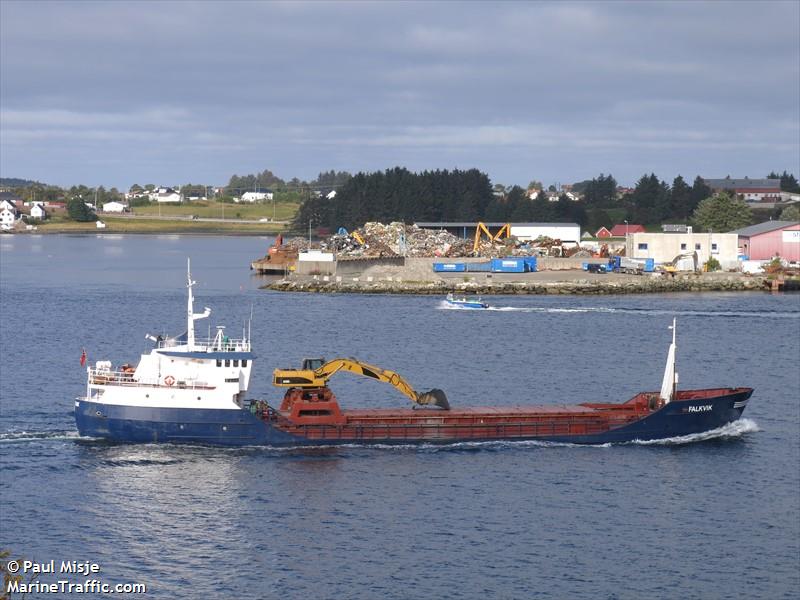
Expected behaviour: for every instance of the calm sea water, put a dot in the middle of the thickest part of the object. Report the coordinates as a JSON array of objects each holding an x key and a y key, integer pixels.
[{"x": 706, "y": 517}]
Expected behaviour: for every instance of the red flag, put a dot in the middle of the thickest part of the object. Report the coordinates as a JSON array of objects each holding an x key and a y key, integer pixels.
[{"x": 83, "y": 357}]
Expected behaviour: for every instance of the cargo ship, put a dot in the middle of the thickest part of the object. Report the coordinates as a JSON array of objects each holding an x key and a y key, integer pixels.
[{"x": 194, "y": 390}]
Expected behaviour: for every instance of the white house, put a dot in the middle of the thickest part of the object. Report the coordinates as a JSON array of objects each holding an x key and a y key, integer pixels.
[
  {"x": 533, "y": 193},
  {"x": 8, "y": 204},
  {"x": 256, "y": 196},
  {"x": 99, "y": 224},
  {"x": 165, "y": 194},
  {"x": 331, "y": 195},
  {"x": 8, "y": 218},
  {"x": 38, "y": 212},
  {"x": 114, "y": 207}
]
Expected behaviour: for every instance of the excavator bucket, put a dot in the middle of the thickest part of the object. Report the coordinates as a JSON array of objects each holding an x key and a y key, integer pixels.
[{"x": 436, "y": 397}]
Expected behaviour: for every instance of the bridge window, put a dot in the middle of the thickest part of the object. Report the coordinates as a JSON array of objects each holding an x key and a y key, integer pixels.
[
  {"x": 219, "y": 362},
  {"x": 227, "y": 362},
  {"x": 236, "y": 362}
]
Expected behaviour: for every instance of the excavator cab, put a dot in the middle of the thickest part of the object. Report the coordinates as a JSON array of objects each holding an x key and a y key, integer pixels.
[{"x": 312, "y": 364}]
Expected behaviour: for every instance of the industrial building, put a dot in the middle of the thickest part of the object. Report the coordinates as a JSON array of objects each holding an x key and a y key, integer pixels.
[
  {"x": 769, "y": 239},
  {"x": 666, "y": 247},
  {"x": 566, "y": 232},
  {"x": 752, "y": 190}
]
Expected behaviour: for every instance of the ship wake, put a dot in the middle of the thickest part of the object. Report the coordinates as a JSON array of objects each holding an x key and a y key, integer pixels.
[
  {"x": 38, "y": 436},
  {"x": 733, "y": 430}
]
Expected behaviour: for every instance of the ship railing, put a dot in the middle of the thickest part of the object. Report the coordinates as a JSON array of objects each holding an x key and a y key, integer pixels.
[
  {"x": 126, "y": 378},
  {"x": 209, "y": 344}
]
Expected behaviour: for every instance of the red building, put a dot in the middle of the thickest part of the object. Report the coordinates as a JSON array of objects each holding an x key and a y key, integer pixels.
[
  {"x": 772, "y": 238},
  {"x": 602, "y": 233},
  {"x": 623, "y": 229}
]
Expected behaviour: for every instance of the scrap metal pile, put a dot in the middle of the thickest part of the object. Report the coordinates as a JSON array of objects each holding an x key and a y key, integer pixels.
[{"x": 398, "y": 239}]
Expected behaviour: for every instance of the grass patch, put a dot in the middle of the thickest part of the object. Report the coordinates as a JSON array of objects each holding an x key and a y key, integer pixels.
[
  {"x": 124, "y": 225},
  {"x": 283, "y": 211}
]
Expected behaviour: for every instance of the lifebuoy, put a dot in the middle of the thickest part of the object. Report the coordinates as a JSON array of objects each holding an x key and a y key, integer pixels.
[{"x": 169, "y": 380}]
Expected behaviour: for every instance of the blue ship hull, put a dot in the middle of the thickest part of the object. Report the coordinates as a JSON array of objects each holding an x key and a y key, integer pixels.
[{"x": 240, "y": 427}]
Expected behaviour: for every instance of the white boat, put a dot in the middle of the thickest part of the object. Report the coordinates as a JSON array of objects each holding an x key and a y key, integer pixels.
[
  {"x": 463, "y": 302},
  {"x": 184, "y": 389}
]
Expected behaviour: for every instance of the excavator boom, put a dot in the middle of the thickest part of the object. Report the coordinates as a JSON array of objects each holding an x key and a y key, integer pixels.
[{"x": 308, "y": 378}]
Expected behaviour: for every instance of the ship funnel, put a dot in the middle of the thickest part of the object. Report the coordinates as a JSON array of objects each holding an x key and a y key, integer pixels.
[{"x": 435, "y": 397}]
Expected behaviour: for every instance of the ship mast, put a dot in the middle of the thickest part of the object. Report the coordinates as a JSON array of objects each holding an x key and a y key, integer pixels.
[
  {"x": 190, "y": 316},
  {"x": 190, "y": 310},
  {"x": 669, "y": 385}
]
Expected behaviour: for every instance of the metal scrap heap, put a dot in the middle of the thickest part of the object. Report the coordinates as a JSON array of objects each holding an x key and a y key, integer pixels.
[{"x": 396, "y": 239}]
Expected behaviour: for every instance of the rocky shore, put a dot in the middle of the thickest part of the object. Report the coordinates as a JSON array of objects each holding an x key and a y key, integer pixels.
[{"x": 566, "y": 283}]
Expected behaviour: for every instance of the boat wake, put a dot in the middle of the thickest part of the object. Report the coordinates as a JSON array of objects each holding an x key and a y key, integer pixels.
[
  {"x": 37, "y": 436},
  {"x": 732, "y": 430},
  {"x": 443, "y": 305}
]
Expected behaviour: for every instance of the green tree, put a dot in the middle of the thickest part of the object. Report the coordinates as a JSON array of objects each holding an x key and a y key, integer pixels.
[
  {"x": 535, "y": 185},
  {"x": 78, "y": 211},
  {"x": 700, "y": 191},
  {"x": 788, "y": 181},
  {"x": 680, "y": 205},
  {"x": 650, "y": 200},
  {"x": 791, "y": 213},
  {"x": 600, "y": 192},
  {"x": 722, "y": 212}
]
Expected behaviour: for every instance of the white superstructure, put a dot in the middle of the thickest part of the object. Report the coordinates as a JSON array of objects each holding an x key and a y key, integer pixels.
[{"x": 181, "y": 372}]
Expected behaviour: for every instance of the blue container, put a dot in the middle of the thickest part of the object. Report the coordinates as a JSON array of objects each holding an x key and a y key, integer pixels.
[
  {"x": 484, "y": 267},
  {"x": 649, "y": 265},
  {"x": 508, "y": 265},
  {"x": 530, "y": 264},
  {"x": 449, "y": 267}
]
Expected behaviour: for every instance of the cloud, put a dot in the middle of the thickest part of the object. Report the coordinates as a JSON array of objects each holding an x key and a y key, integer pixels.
[{"x": 205, "y": 89}]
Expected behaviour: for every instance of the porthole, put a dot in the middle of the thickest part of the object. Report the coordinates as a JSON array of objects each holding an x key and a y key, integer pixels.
[
  {"x": 224, "y": 428},
  {"x": 198, "y": 397},
  {"x": 181, "y": 426}
]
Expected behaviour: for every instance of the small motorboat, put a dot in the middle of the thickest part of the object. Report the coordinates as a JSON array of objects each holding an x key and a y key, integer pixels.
[{"x": 464, "y": 303}]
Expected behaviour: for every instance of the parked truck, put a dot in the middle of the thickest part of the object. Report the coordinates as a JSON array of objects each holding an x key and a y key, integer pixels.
[{"x": 622, "y": 264}]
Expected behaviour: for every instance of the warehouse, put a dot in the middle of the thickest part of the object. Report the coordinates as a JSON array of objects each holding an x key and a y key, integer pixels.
[
  {"x": 666, "y": 247},
  {"x": 769, "y": 239},
  {"x": 566, "y": 232}
]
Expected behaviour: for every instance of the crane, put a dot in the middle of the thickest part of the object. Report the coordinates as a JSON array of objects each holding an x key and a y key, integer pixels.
[
  {"x": 316, "y": 372},
  {"x": 481, "y": 228}
]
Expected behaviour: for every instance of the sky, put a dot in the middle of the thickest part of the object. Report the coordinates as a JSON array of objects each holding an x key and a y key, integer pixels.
[{"x": 169, "y": 93}]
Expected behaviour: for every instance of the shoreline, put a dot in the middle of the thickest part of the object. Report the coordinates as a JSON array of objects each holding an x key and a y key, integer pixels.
[{"x": 566, "y": 282}]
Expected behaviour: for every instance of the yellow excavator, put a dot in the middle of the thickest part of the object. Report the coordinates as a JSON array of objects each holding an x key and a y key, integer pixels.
[
  {"x": 482, "y": 229},
  {"x": 671, "y": 267},
  {"x": 316, "y": 372}
]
